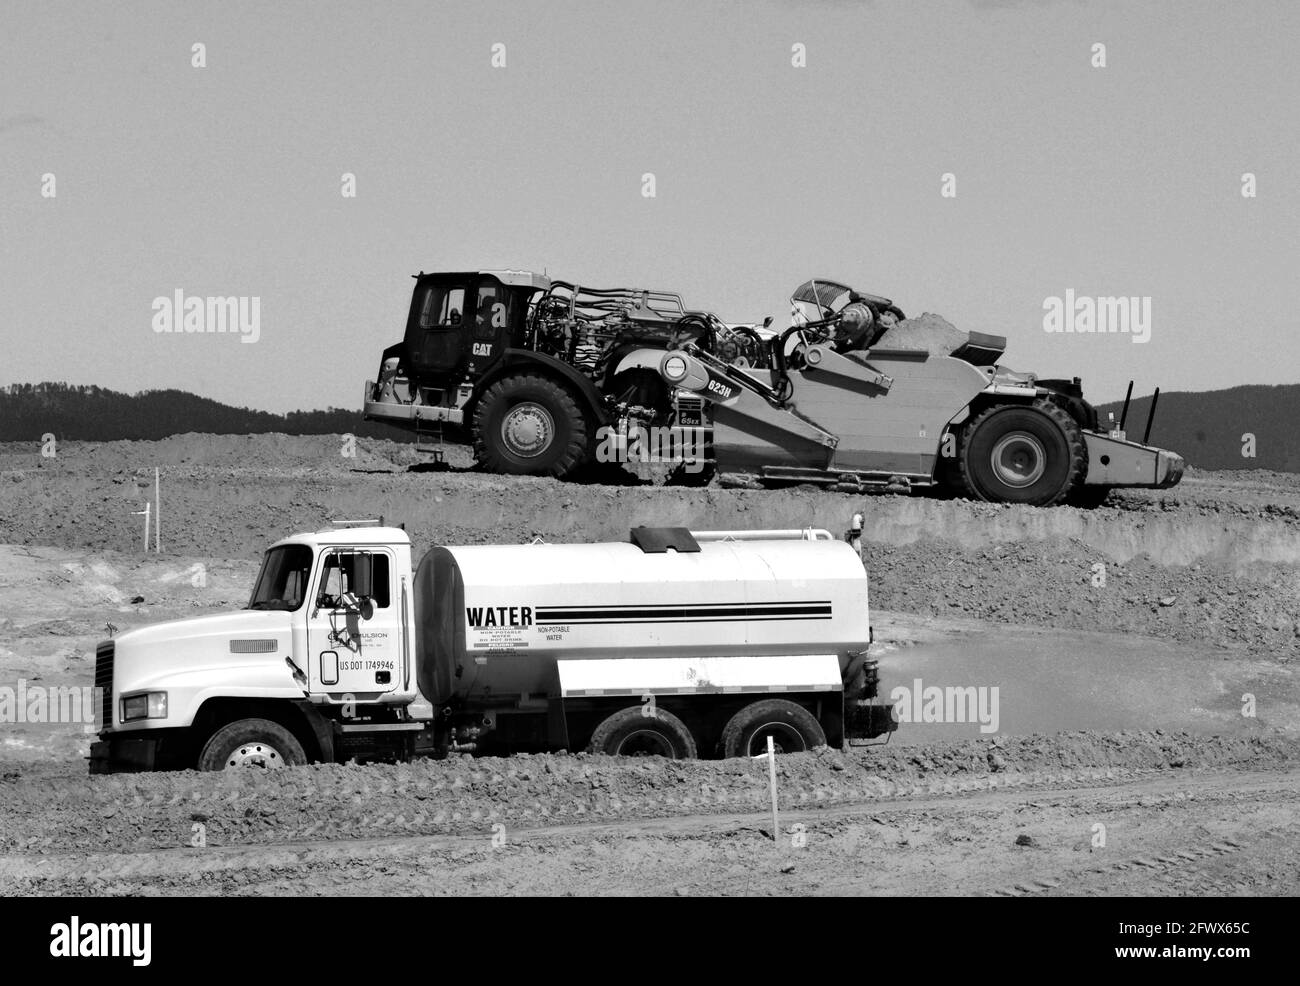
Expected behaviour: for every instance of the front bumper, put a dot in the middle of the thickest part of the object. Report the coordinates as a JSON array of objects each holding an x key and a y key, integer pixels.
[
  {"x": 125, "y": 754},
  {"x": 1117, "y": 462},
  {"x": 407, "y": 415}
]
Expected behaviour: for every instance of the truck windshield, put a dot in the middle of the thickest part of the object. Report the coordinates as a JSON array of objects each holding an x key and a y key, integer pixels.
[{"x": 282, "y": 582}]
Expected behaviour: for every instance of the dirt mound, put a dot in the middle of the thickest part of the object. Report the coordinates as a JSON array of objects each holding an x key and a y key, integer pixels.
[
  {"x": 932, "y": 333},
  {"x": 1069, "y": 585},
  {"x": 269, "y": 453},
  {"x": 51, "y": 809}
]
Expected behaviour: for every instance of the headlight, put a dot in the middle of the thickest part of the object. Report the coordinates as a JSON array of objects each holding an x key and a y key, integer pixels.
[{"x": 150, "y": 705}]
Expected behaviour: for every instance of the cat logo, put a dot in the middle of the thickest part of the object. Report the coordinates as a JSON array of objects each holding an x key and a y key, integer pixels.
[{"x": 482, "y": 349}]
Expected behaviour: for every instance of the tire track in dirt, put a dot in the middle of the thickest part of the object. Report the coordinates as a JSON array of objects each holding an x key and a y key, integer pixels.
[
  {"x": 678, "y": 844},
  {"x": 48, "y": 809},
  {"x": 1175, "y": 857}
]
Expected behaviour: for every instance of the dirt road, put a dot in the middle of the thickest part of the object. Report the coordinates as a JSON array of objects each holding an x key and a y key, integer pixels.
[{"x": 1183, "y": 832}]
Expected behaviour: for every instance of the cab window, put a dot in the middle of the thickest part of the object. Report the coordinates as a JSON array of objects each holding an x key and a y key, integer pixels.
[
  {"x": 492, "y": 311},
  {"x": 442, "y": 305},
  {"x": 282, "y": 582}
]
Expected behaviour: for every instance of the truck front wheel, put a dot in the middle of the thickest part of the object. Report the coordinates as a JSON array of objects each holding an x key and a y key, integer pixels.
[
  {"x": 792, "y": 727},
  {"x": 645, "y": 731},
  {"x": 527, "y": 424},
  {"x": 251, "y": 743}
]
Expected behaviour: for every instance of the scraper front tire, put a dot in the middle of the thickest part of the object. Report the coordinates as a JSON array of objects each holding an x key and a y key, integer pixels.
[{"x": 529, "y": 425}]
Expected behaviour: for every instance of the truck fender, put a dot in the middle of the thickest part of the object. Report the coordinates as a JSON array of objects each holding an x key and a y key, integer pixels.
[
  {"x": 189, "y": 691},
  {"x": 514, "y": 359}
]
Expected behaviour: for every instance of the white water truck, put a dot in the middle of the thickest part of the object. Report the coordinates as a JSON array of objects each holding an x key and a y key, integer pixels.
[{"x": 675, "y": 643}]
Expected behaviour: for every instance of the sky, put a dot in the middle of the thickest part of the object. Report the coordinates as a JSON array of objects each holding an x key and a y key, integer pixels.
[{"x": 225, "y": 180}]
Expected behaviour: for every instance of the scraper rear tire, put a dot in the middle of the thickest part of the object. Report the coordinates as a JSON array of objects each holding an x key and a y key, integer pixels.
[{"x": 1017, "y": 453}]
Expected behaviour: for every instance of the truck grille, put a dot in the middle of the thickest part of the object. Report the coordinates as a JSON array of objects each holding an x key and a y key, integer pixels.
[{"x": 104, "y": 681}]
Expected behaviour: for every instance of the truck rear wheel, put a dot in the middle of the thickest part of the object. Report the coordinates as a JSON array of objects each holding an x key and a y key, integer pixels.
[
  {"x": 251, "y": 743},
  {"x": 1032, "y": 454},
  {"x": 636, "y": 732},
  {"x": 527, "y": 424},
  {"x": 792, "y": 727}
]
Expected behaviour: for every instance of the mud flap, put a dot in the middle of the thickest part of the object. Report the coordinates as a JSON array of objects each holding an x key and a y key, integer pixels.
[{"x": 864, "y": 721}]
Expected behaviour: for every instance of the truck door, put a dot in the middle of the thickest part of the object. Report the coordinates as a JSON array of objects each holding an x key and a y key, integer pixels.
[{"x": 354, "y": 643}]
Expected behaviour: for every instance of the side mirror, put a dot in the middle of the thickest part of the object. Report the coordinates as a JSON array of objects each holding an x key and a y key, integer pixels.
[
  {"x": 767, "y": 321},
  {"x": 363, "y": 576}
]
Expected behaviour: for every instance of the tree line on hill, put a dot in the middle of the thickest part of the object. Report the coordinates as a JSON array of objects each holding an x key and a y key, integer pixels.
[
  {"x": 1247, "y": 427},
  {"x": 90, "y": 413}
]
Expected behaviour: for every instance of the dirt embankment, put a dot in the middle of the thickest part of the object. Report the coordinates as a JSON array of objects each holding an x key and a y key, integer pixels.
[{"x": 1216, "y": 559}]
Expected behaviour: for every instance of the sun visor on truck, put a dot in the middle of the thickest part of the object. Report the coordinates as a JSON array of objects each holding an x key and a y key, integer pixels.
[{"x": 696, "y": 675}]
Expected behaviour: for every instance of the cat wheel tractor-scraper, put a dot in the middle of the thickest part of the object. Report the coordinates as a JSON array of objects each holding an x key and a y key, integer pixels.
[{"x": 853, "y": 395}]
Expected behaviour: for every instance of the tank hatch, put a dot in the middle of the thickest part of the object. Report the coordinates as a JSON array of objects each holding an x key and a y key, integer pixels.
[{"x": 657, "y": 540}]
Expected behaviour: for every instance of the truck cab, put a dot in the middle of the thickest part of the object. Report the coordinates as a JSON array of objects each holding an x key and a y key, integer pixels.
[{"x": 327, "y": 629}]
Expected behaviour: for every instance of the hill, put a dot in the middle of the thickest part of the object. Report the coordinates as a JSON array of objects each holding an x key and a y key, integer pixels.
[
  {"x": 1210, "y": 429},
  {"x": 89, "y": 413}
]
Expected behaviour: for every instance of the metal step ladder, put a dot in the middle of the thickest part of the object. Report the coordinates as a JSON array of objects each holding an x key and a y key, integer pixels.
[{"x": 428, "y": 439}]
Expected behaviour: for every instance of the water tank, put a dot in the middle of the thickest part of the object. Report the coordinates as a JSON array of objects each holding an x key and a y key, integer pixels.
[{"x": 491, "y": 621}]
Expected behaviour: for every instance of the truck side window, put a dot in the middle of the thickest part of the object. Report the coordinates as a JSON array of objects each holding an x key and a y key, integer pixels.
[
  {"x": 379, "y": 577},
  {"x": 336, "y": 579}
]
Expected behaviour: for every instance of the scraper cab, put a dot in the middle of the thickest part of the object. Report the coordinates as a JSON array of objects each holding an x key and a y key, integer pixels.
[{"x": 827, "y": 311}]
